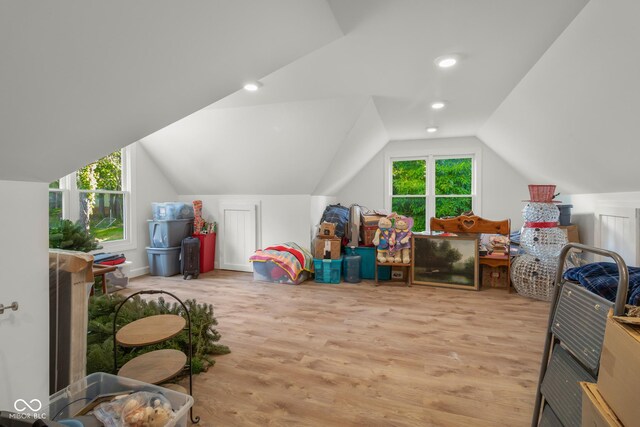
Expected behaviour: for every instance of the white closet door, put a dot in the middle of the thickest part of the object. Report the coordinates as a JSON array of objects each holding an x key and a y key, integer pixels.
[
  {"x": 238, "y": 235},
  {"x": 617, "y": 230}
]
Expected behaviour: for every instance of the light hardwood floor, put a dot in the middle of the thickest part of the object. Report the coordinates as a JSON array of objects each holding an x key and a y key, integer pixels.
[{"x": 357, "y": 355}]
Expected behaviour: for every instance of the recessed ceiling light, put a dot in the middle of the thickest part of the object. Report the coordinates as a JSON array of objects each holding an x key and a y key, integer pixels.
[
  {"x": 438, "y": 105},
  {"x": 252, "y": 86},
  {"x": 447, "y": 61},
  {"x": 432, "y": 129}
]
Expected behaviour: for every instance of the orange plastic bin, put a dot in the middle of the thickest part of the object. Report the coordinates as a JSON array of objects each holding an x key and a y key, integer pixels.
[{"x": 207, "y": 251}]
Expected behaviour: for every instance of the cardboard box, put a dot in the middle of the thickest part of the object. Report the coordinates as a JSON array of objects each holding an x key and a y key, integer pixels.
[
  {"x": 494, "y": 277},
  {"x": 571, "y": 231},
  {"x": 370, "y": 219},
  {"x": 367, "y": 233},
  {"x": 619, "y": 375},
  {"x": 595, "y": 411},
  {"x": 324, "y": 246},
  {"x": 327, "y": 230}
]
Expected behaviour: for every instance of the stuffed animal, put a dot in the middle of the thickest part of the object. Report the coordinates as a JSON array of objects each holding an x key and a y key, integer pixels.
[
  {"x": 402, "y": 248},
  {"x": 137, "y": 413},
  {"x": 384, "y": 239}
]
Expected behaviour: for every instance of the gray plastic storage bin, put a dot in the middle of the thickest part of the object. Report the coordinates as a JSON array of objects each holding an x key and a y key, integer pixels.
[
  {"x": 565, "y": 214},
  {"x": 69, "y": 401},
  {"x": 169, "y": 233},
  {"x": 164, "y": 261},
  {"x": 172, "y": 210}
]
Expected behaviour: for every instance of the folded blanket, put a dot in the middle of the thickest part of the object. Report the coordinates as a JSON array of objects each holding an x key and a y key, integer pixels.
[
  {"x": 292, "y": 258},
  {"x": 601, "y": 278}
]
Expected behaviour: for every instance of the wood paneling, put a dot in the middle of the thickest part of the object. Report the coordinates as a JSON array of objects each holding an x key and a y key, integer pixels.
[{"x": 357, "y": 355}]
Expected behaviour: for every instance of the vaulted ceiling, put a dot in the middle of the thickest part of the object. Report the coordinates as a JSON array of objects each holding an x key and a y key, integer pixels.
[
  {"x": 81, "y": 78},
  {"x": 340, "y": 79},
  {"x": 297, "y": 121},
  {"x": 573, "y": 119}
]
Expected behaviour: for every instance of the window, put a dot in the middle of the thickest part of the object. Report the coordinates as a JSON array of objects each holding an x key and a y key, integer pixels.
[
  {"x": 432, "y": 186},
  {"x": 55, "y": 203},
  {"x": 99, "y": 196}
]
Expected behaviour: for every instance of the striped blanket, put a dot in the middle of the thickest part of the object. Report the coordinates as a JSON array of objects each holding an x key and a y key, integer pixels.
[
  {"x": 292, "y": 258},
  {"x": 601, "y": 278}
]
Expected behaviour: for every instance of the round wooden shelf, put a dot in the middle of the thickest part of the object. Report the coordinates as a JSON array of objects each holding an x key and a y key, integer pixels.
[
  {"x": 150, "y": 330},
  {"x": 155, "y": 367}
]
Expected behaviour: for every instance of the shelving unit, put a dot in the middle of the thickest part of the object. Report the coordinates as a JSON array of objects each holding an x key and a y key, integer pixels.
[
  {"x": 158, "y": 366},
  {"x": 406, "y": 268}
]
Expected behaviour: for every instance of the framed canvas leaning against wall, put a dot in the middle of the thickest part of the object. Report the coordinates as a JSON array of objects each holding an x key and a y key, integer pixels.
[{"x": 447, "y": 261}]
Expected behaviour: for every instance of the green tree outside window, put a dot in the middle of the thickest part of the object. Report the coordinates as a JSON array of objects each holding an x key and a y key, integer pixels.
[{"x": 450, "y": 192}]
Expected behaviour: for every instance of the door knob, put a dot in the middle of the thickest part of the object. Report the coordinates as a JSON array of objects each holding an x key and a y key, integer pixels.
[{"x": 13, "y": 306}]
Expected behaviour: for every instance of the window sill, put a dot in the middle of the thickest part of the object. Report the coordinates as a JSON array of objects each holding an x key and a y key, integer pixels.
[{"x": 119, "y": 246}]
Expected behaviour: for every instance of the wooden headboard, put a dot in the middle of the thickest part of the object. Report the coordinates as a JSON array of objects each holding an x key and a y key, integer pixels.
[{"x": 470, "y": 224}]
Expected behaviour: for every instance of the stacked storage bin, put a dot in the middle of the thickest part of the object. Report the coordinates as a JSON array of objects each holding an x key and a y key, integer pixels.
[
  {"x": 328, "y": 270},
  {"x": 326, "y": 255},
  {"x": 172, "y": 222}
]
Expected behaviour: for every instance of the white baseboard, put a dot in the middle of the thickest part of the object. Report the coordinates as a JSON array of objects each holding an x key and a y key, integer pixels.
[{"x": 135, "y": 272}]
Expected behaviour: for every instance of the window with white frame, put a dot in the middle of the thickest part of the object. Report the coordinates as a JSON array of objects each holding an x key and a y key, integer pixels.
[
  {"x": 432, "y": 186},
  {"x": 99, "y": 197}
]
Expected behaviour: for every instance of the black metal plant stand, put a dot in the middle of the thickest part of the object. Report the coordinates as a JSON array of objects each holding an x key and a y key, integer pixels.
[{"x": 189, "y": 365}]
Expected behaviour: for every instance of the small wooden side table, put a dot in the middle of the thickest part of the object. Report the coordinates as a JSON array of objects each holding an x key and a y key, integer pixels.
[
  {"x": 498, "y": 261},
  {"x": 100, "y": 270}
]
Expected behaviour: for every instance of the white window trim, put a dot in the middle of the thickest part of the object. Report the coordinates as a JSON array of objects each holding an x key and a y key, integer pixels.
[
  {"x": 71, "y": 202},
  {"x": 430, "y": 155}
]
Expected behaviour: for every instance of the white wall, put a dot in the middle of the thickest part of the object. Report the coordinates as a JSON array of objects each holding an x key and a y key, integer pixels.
[
  {"x": 318, "y": 204},
  {"x": 281, "y": 218},
  {"x": 24, "y": 277},
  {"x": 151, "y": 186},
  {"x": 364, "y": 140},
  {"x": 502, "y": 188},
  {"x": 585, "y": 206},
  {"x": 573, "y": 119}
]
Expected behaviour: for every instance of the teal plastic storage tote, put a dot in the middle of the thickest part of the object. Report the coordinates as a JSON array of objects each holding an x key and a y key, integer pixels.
[{"x": 327, "y": 270}]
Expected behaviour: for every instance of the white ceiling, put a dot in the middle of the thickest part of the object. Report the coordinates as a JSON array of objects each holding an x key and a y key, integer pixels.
[
  {"x": 386, "y": 55},
  {"x": 81, "y": 78},
  {"x": 573, "y": 120}
]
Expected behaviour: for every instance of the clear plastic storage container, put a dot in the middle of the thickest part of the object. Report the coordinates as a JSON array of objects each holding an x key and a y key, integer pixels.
[
  {"x": 271, "y": 272},
  {"x": 69, "y": 401},
  {"x": 172, "y": 210}
]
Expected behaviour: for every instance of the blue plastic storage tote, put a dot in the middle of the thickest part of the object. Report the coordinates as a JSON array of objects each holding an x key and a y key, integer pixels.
[
  {"x": 164, "y": 261},
  {"x": 327, "y": 270},
  {"x": 169, "y": 233},
  {"x": 368, "y": 264}
]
